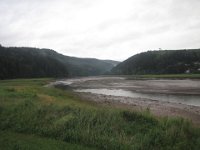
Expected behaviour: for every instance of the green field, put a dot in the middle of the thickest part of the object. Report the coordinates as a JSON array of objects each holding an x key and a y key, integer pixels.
[{"x": 35, "y": 117}]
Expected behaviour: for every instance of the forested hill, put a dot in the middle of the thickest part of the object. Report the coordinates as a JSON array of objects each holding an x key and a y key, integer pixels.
[
  {"x": 161, "y": 62},
  {"x": 23, "y": 62}
]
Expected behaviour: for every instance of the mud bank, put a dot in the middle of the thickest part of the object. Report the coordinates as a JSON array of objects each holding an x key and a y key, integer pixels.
[{"x": 159, "y": 108}]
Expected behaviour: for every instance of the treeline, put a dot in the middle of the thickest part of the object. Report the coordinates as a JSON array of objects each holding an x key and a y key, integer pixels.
[
  {"x": 161, "y": 62},
  {"x": 24, "y": 62},
  {"x": 29, "y": 63}
]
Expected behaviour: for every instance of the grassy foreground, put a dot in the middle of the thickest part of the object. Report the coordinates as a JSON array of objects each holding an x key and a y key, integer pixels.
[{"x": 36, "y": 117}]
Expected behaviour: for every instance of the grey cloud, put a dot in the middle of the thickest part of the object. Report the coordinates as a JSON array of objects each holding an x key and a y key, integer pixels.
[
  {"x": 100, "y": 28},
  {"x": 119, "y": 40}
]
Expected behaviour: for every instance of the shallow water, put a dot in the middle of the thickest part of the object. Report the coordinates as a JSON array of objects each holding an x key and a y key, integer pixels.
[{"x": 193, "y": 100}]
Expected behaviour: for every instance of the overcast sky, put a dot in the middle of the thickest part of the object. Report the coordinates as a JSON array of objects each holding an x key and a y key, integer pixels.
[{"x": 104, "y": 29}]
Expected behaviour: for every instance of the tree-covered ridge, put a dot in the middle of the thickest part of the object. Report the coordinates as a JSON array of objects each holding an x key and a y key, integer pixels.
[
  {"x": 29, "y": 63},
  {"x": 161, "y": 62},
  {"x": 24, "y": 62}
]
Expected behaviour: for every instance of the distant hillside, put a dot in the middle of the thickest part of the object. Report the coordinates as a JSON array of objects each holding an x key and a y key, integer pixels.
[
  {"x": 24, "y": 62},
  {"x": 114, "y": 63},
  {"x": 161, "y": 62}
]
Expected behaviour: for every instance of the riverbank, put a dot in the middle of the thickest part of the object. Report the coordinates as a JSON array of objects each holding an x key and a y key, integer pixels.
[
  {"x": 33, "y": 116},
  {"x": 158, "y": 108},
  {"x": 153, "y": 94}
]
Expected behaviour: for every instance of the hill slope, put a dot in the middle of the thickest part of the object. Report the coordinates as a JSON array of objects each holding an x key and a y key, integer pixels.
[
  {"x": 161, "y": 62},
  {"x": 23, "y": 62}
]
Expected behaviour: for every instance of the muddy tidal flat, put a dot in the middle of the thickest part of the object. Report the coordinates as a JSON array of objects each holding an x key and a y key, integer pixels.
[{"x": 164, "y": 97}]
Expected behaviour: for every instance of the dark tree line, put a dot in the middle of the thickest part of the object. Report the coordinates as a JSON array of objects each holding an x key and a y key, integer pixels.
[
  {"x": 28, "y": 63},
  {"x": 161, "y": 62},
  {"x": 24, "y": 62}
]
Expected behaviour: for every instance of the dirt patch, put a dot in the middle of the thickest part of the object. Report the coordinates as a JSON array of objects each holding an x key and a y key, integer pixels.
[{"x": 46, "y": 98}]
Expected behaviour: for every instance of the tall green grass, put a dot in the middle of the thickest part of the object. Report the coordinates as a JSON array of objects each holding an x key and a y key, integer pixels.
[
  {"x": 17, "y": 141},
  {"x": 29, "y": 108}
]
